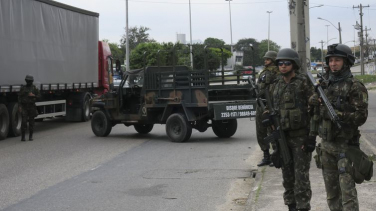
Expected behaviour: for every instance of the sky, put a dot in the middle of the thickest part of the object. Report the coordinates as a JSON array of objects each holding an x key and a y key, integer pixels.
[{"x": 211, "y": 18}]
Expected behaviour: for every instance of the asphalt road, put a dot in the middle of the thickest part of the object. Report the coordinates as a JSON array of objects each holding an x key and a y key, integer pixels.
[{"x": 67, "y": 168}]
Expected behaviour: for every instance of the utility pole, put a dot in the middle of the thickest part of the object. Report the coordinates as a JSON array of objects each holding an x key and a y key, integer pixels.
[
  {"x": 127, "y": 37},
  {"x": 269, "y": 28},
  {"x": 322, "y": 56},
  {"x": 361, "y": 38},
  {"x": 367, "y": 47},
  {"x": 339, "y": 29},
  {"x": 299, "y": 27}
]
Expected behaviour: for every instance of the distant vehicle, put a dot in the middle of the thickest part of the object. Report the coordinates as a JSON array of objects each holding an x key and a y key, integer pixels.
[{"x": 57, "y": 44}]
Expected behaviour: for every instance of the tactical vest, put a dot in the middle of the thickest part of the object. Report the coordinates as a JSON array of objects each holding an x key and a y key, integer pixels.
[
  {"x": 25, "y": 90},
  {"x": 338, "y": 95},
  {"x": 292, "y": 105},
  {"x": 270, "y": 73}
]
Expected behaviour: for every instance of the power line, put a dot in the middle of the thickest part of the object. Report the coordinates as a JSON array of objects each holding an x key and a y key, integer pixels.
[{"x": 168, "y": 2}]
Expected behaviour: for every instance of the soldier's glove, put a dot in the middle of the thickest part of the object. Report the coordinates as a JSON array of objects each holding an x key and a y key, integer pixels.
[
  {"x": 309, "y": 144},
  {"x": 314, "y": 100}
]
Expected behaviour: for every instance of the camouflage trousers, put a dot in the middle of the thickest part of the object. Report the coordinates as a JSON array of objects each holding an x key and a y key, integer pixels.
[
  {"x": 29, "y": 112},
  {"x": 340, "y": 187},
  {"x": 296, "y": 176},
  {"x": 261, "y": 131}
]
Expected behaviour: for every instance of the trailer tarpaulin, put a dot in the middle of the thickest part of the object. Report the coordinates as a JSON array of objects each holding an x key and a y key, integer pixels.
[{"x": 55, "y": 44}]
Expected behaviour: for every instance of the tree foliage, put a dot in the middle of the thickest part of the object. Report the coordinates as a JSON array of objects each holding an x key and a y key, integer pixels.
[
  {"x": 315, "y": 54},
  {"x": 254, "y": 51},
  {"x": 137, "y": 35},
  {"x": 154, "y": 54}
]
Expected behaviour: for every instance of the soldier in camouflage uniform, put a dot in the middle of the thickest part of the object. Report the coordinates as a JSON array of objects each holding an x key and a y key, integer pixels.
[
  {"x": 290, "y": 95},
  {"x": 349, "y": 98},
  {"x": 26, "y": 101},
  {"x": 266, "y": 77}
]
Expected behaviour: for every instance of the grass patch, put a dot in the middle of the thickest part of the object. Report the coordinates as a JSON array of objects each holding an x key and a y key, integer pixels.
[
  {"x": 366, "y": 78},
  {"x": 260, "y": 184}
]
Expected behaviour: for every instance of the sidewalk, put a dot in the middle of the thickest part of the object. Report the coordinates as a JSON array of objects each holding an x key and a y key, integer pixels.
[{"x": 267, "y": 194}]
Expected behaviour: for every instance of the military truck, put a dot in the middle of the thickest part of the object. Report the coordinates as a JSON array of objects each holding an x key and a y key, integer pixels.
[{"x": 179, "y": 97}]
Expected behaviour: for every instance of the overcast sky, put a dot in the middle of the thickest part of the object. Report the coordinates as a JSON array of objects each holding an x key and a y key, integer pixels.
[{"x": 211, "y": 18}]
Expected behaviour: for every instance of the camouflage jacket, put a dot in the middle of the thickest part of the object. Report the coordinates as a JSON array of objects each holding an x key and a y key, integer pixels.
[
  {"x": 349, "y": 98},
  {"x": 290, "y": 100},
  {"x": 270, "y": 73},
  {"x": 23, "y": 95}
]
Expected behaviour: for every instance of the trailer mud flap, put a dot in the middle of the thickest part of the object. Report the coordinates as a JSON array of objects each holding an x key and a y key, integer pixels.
[{"x": 234, "y": 110}]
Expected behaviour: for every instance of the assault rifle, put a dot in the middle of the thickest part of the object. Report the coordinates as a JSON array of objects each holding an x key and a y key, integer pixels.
[
  {"x": 277, "y": 134},
  {"x": 257, "y": 93},
  {"x": 331, "y": 112}
]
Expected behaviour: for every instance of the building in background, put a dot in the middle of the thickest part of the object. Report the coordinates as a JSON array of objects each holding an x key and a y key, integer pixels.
[{"x": 180, "y": 38}]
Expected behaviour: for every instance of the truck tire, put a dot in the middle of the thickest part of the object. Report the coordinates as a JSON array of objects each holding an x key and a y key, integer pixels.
[
  {"x": 101, "y": 124},
  {"x": 225, "y": 129},
  {"x": 143, "y": 129},
  {"x": 86, "y": 111},
  {"x": 178, "y": 128},
  {"x": 4, "y": 122},
  {"x": 15, "y": 120}
]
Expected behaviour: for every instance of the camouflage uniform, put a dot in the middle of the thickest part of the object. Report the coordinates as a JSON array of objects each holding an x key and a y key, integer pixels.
[
  {"x": 291, "y": 101},
  {"x": 28, "y": 107},
  {"x": 270, "y": 73},
  {"x": 266, "y": 77},
  {"x": 350, "y": 99}
]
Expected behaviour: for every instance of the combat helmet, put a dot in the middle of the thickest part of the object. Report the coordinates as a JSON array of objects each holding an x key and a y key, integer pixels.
[
  {"x": 29, "y": 78},
  {"x": 270, "y": 55},
  {"x": 340, "y": 50},
  {"x": 288, "y": 54}
]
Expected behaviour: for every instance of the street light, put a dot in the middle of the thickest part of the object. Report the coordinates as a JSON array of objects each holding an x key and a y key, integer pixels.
[
  {"x": 316, "y": 6},
  {"x": 269, "y": 28},
  {"x": 339, "y": 28},
  {"x": 327, "y": 33},
  {"x": 190, "y": 31},
  {"x": 229, "y": 6},
  {"x": 126, "y": 37},
  {"x": 329, "y": 40}
]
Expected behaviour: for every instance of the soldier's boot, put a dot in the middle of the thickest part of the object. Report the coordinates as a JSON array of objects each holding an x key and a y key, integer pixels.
[
  {"x": 303, "y": 209},
  {"x": 31, "y": 136},
  {"x": 266, "y": 160},
  {"x": 292, "y": 207},
  {"x": 23, "y": 136}
]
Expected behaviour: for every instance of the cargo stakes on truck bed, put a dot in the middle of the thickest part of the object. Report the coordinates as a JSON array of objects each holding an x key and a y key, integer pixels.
[{"x": 176, "y": 96}]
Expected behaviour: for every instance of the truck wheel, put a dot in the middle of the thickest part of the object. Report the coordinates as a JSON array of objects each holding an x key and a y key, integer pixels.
[
  {"x": 178, "y": 128},
  {"x": 15, "y": 120},
  {"x": 86, "y": 108},
  {"x": 225, "y": 129},
  {"x": 101, "y": 124},
  {"x": 4, "y": 122},
  {"x": 143, "y": 129}
]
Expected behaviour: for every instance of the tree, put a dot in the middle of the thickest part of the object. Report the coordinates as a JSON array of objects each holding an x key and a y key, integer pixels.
[
  {"x": 214, "y": 42},
  {"x": 137, "y": 35},
  {"x": 250, "y": 48},
  {"x": 253, "y": 56},
  {"x": 154, "y": 54},
  {"x": 315, "y": 54}
]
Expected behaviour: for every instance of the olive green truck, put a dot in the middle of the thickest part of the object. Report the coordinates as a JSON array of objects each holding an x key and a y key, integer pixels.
[{"x": 179, "y": 97}]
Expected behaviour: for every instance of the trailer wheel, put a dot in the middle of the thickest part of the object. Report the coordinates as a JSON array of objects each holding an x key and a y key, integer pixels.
[
  {"x": 86, "y": 108},
  {"x": 143, "y": 129},
  {"x": 4, "y": 122},
  {"x": 178, "y": 128},
  {"x": 225, "y": 129},
  {"x": 15, "y": 119},
  {"x": 101, "y": 124}
]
